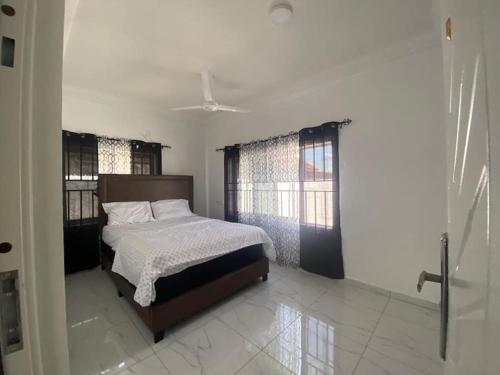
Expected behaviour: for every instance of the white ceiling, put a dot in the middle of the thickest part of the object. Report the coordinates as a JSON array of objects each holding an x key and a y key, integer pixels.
[{"x": 153, "y": 50}]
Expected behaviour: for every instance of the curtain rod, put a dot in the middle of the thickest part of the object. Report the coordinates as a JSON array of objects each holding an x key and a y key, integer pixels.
[
  {"x": 340, "y": 124},
  {"x": 118, "y": 139},
  {"x": 127, "y": 139}
]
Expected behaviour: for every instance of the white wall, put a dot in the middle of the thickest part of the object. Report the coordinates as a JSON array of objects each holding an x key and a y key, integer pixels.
[
  {"x": 89, "y": 112},
  {"x": 392, "y": 163}
]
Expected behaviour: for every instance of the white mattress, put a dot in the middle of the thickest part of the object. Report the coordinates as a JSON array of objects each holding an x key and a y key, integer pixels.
[{"x": 147, "y": 251}]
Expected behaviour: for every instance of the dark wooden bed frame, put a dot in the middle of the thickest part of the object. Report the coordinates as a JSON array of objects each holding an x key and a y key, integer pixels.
[{"x": 159, "y": 317}]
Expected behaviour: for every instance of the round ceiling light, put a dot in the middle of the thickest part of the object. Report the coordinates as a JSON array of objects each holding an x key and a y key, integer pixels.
[{"x": 281, "y": 13}]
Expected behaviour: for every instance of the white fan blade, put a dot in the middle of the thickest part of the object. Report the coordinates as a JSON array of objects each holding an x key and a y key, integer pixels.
[
  {"x": 229, "y": 108},
  {"x": 187, "y": 108},
  {"x": 206, "y": 86}
]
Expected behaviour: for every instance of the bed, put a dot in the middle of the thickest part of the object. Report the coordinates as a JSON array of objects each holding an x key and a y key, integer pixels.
[{"x": 178, "y": 292}]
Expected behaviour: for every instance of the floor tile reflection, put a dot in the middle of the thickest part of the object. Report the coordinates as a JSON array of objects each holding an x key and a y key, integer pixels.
[
  {"x": 213, "y": 348},
  {"x": 296, "y": 323},
  {"x": 413, "y": 345},
  {"x": 260, "y": 319},
  {"x": 264, "y": 365},
  {"x": 150, "y": 366},
  {"x": 310, "y": 346},
  {"x": 109, "y": 351}
]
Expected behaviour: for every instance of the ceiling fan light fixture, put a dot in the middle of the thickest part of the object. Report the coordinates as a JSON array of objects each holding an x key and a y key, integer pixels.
[{"x": 281, "y": 12}]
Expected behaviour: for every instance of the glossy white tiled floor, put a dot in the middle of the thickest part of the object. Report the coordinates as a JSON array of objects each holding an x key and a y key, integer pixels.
[{"x": 296, "y": 323}]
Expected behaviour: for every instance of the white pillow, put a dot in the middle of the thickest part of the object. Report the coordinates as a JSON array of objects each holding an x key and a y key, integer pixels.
[
  {"x": 120, "y": 213},
  {"x": 170, "y": 208}
]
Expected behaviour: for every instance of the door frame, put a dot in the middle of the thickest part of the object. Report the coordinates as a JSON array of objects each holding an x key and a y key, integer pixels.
[
  {"x": 41, "y": 190},
  {"x": 491, "y": 30}
]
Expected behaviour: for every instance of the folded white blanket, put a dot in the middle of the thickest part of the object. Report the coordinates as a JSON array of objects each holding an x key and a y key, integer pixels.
[{"x": 147, "y": 251}]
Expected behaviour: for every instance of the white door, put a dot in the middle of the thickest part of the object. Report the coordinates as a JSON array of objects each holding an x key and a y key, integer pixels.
[
  {"x": 471, "y": 68},
  {"x": 12, "y": 27},
  {"x": 30, "y": 188}
]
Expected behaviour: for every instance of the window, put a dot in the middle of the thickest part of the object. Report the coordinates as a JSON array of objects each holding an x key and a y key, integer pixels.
[
  {"x": 146, "y": 157},
  {"x": 269, "y": 178},
  {"x": 268, "y": 192},
  {"x": 80, "y": 178},
  {"x": 84, "y": 157},
  {"x": 288, "y": 186},
  {"x": 80, "y": 170},
  {"x": 115, "y": 156},
  {"x": 317, "y": 183}
]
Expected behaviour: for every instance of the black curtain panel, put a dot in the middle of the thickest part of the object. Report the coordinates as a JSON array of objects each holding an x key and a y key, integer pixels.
[
  {"x": 80, "y": 171},
  {"x": 231, "y": 175},
  {"x": 320, "y": 236},
  {"x": 146, "y": 158},
  {"x": 81, "y": 156}
]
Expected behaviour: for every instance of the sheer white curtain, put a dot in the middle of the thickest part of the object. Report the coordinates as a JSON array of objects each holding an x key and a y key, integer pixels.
[
  {"x": 114, "y": 155},
  {"x": 268, "y": 193}
]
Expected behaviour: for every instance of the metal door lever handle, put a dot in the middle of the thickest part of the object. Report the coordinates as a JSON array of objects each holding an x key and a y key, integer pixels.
[
  {"x": 443, "y": 281},
  {"x": 426, "y": 276}
]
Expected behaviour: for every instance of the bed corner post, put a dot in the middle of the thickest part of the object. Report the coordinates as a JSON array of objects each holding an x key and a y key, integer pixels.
[
  {"x": 101, "y": 196},
  {"x": 158, "y": 336}
]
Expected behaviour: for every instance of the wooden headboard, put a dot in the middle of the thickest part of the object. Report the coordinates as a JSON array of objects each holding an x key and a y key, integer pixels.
[{"x": 129, "y": 188}]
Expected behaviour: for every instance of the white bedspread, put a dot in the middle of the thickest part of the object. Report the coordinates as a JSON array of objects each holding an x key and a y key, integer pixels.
[{"x": 147, "y": 251}]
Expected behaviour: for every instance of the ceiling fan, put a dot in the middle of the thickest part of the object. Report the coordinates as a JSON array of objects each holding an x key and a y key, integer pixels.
[{"x": 209, "y": 104}]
